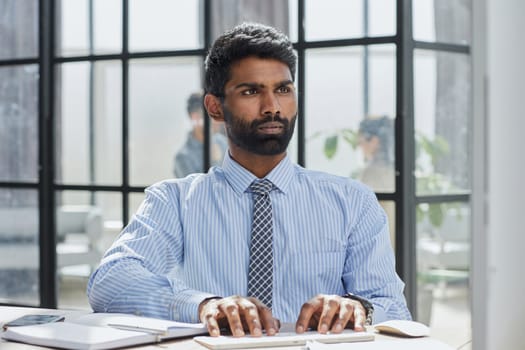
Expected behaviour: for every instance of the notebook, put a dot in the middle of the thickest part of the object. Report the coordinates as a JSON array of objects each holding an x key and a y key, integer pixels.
[
  {"x": 281, "y": 339},
  {"x": 100, "y": 331},
  {"x": 65, "y": 335},
  {"x": 164, "y": 328}
]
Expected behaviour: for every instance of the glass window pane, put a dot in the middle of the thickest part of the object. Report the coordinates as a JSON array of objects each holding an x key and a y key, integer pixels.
[
  {"x": 340, "y": 19},
  {"x": 135, "y": 199},
  {"x": 381, "y": 17},
  {"x": 108, "y": 26},
  {"x": 74, "y": 28},
  {"x": 333, "y": 19},
  {"x": 442, "y": 91},
  {"x": 89, "y": 137},
  {"x": 447, "y": 21},
  {"x": 72, "y": 32},
  {"x": 19, "y": 252},
  {"x": 18, "y": 29},
  {"x": 225, "y": 14},
  {"x": 159, "y": 124},
  {"x": 85, "y": 223},
  {"x": 157, "y": 25},
  {"x": 19, "y": 123},
  {"x": 331, "y": 76},
  {"x": 293, "y": 13},
  {"x": 352, "y": 137},
  {"x": 443, "y": 265}
]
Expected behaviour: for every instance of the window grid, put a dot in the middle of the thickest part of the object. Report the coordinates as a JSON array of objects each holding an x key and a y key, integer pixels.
[{"x": 404, "y": 195}]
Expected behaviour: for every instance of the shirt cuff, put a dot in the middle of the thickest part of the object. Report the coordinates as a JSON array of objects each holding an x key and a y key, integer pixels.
[
  {"x": 379, "y": 314},
  {"x": 186, "y": 305}
]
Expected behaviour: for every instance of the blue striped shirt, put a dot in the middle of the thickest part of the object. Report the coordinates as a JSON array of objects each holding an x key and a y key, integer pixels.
[{"x": 190, "y": 240}]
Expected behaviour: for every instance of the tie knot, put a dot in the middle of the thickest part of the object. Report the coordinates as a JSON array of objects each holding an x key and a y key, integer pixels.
[{"x": 261, "y": 187}]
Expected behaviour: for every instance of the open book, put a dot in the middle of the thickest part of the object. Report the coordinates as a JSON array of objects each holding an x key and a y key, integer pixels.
[{"x": 100, "y": 331}]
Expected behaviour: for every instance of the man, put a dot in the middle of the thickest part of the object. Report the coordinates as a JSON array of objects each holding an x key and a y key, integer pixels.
[
  {"x": 189, "y": 158},
  {"x": 189, "y": 255}
]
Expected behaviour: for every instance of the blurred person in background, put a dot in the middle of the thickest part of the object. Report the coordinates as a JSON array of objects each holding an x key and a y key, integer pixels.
[
  {"x": 190, "y": 158},
  {"x": 376, "y": 140}
]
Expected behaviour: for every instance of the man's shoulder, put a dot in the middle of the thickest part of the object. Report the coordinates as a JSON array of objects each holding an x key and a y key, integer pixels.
[
  {"x": 316, "y": 177},
  {"x": 186, "y": 183}
]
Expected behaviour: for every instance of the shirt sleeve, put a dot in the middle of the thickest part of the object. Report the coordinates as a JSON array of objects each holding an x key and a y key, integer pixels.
[
  {"x": 370, "y": 264},
  {"x": 139, "y": 273}
]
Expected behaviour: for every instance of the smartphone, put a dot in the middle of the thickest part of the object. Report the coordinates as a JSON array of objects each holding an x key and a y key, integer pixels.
[{"x": 33, "y": 319}]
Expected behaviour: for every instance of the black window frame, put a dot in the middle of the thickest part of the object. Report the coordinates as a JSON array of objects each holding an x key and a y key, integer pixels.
[{"x": 404, "y": 196}]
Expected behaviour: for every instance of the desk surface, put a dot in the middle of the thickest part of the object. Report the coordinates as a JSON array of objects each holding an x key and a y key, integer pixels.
[{"x": 8, "y": 313}]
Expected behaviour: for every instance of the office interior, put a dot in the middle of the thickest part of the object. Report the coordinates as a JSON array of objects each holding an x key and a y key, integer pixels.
[{"x": 93, "y": 110}]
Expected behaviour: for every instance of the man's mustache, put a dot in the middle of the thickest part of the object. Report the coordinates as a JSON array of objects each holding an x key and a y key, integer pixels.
[{"x": 269, "y": 118}]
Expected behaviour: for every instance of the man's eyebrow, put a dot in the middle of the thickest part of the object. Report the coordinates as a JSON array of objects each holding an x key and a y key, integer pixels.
[
  {"x": 247, "y": 85},
  {"x": 285, "y": 82},
  {"x": 259, "y": 85}
]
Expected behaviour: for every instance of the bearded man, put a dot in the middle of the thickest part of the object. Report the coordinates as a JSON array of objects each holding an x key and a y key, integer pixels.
[{"x": 259, "y": 239}]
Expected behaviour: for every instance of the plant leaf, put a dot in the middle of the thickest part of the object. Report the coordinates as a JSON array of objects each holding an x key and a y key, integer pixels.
[
  {"x": 351, "y": 137},
  {"x": 330, "y": 146},
  {"x": 436, "y": 214}
]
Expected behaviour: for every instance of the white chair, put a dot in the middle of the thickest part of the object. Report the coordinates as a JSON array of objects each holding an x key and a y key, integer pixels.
[
  {"x": 79, "y": 228},
  {"x": 18, "y": 238},
  {"x": 445, "y": 247},
  {"x": 443, "y": 253}
]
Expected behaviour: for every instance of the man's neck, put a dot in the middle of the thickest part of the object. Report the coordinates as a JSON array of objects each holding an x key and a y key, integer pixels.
[
  {"x": 258, "y": 165},
  {"x": 198, "y": 134}
]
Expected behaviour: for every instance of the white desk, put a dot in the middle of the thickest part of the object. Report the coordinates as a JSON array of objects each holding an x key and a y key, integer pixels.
[{"x": 8, "y": 313}]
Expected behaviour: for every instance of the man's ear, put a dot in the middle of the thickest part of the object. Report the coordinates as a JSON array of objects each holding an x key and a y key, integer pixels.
[{"x": 214, "y": 107}]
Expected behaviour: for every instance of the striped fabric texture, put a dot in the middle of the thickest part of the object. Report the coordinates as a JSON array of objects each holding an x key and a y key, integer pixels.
[{"x": 190, "y": 239}]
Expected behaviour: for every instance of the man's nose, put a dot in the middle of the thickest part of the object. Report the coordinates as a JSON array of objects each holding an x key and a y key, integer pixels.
[{"x": 270, "y": 104}]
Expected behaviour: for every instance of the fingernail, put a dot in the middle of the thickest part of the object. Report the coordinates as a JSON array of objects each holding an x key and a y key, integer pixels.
[
  {"x": 214, "y": 332},
  {"x": 338, "y": 327},
  {"x": 324, "y": 328},
  {"x": 271, "y": 331},
  {"x": 239, "y": 332},
  {"x": 257, "y": 332},
  {"x": 299, "y": 329}
]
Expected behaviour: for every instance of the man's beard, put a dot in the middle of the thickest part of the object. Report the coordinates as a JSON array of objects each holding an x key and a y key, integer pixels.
[{"x": 245, "y": 135}]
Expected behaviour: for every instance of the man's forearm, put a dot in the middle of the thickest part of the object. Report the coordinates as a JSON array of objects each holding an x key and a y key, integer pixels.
[{"x": 127, "y": 287}]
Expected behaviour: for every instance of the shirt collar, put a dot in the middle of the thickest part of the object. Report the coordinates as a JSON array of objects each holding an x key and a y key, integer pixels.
[{"x": 240, "y": 178}]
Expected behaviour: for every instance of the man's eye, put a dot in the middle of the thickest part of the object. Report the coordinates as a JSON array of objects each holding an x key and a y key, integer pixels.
[
  {"x": 249, "y": 92},
  {"x": 284, "y": 89}
]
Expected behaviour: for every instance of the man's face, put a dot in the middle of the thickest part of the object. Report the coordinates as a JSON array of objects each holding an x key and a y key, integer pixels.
[{"x": 260, "y": 106}]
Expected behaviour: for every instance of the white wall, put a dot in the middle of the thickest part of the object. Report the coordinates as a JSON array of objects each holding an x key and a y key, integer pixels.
[{"x": 498, "y": 276}]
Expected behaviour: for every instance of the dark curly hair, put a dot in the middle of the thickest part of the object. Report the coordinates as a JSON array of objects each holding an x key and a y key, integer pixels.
[
  {"x": 194, "y": 102},
  {"x": 244, "y": 40}
]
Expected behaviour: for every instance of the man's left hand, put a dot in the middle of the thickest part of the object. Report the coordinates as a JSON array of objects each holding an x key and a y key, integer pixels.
[{"x": 331, "y": 313}]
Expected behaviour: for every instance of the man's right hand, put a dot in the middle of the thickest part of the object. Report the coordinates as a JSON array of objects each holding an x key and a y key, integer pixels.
[{"x": 239, "y": 314}]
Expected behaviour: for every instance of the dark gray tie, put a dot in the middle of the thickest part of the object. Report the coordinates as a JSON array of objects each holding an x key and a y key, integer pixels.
[{"x": 261, "y": 249}]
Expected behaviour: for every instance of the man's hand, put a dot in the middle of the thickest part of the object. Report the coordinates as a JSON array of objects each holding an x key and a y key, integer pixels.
[
  {"x": 331, "y": 313},
  {"x": 240, "y": 314}
]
